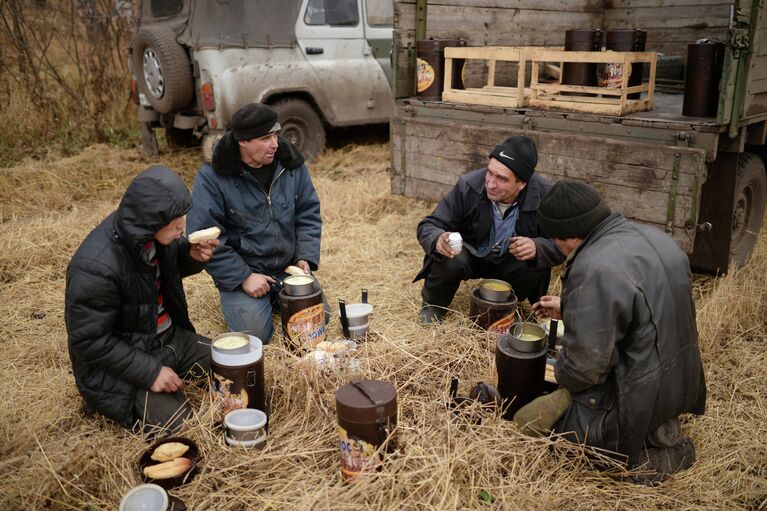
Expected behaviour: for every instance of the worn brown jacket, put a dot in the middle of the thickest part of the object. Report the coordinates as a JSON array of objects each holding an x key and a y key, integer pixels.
[{"x": 630, "y": 352}]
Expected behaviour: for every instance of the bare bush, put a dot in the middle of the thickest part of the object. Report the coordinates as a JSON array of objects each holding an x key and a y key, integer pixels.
[{"x": 63, "y": 75}]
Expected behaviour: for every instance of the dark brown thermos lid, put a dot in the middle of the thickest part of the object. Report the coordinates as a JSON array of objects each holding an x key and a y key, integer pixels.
[{"x": 366, "y": 401}]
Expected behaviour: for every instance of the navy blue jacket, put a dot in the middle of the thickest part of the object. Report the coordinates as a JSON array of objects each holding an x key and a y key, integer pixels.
[{"x": 262, "y": 231}]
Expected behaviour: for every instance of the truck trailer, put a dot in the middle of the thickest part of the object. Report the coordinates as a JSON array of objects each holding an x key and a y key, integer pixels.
[{"x": 700, "y": 179}]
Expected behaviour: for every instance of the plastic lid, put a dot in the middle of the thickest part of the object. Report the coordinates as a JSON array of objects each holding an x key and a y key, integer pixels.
[
  {"x": 146, "y": 497},
  {"x": 240, "y": 359},
  {"x": 503, "y": 345},
  {"x": 356, "y": 310},
  {"x": 245, "y": 419},
  {"x": 366, "y": 401}
]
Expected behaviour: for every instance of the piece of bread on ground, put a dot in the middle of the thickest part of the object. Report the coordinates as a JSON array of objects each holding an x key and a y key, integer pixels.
[
  {"x": 211, "y": 233},
  {"x": 168, "y": 469},
  {"x": 169, "y": 451}
]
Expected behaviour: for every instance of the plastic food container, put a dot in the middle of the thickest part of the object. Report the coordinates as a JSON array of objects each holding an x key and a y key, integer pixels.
[
  {"x": 245, "y": 427},
  {"x": 145, "y": 497}
]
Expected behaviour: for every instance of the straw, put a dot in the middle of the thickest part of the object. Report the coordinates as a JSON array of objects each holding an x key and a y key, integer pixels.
[{"x": 55, "y": 457}]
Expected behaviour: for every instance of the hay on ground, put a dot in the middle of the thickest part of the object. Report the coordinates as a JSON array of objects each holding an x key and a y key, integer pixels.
[{"x": 52, "y": 456}]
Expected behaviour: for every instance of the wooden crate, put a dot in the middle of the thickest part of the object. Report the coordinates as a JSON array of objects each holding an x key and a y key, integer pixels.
[
  {"x": 490, "y": 94},
  {"x": 549, "y": 96}
]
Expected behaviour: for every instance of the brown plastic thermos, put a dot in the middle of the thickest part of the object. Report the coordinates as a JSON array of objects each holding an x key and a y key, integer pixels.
[
  {"x": 632, "y": 40},
  {"x": 704, "y": 74},
  {"x": 581, "y": 73},
  {"x": 367, "y": 420},
  {"x": 303, "y": 318},
  {"x": 430, "y": 67},
  {"x": 495, "y": 317},
  {"x": 239, "y": 379}
]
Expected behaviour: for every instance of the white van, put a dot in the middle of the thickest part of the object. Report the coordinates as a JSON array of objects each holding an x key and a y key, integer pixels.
[{"x": 320, "y": 63}]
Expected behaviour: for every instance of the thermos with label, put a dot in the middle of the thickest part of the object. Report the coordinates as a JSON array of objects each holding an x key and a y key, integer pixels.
[{"x": 367, "y": 418}]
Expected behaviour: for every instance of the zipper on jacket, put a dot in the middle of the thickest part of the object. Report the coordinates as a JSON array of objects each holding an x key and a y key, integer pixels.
[{"x": 267, "y": 193}]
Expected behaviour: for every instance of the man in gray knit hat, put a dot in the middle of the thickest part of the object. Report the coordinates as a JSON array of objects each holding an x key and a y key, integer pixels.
[
  {"x": 493, "y": 209},
  {"x": 629, "y": 364}
]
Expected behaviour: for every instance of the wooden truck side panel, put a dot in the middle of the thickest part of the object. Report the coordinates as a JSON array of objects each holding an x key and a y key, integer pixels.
[{"x": 654, "y": 184}]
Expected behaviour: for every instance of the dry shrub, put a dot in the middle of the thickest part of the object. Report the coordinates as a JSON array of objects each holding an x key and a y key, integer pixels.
[
  {"x": 55, "y": 457},
  {"x": 64, "y": 79}
]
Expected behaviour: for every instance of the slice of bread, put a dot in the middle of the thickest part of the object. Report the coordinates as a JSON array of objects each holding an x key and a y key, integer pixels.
[{"x": 211, "y": 233}]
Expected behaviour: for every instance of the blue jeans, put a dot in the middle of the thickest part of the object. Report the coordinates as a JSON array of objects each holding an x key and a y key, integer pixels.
[{"x": 244, "y": 313}]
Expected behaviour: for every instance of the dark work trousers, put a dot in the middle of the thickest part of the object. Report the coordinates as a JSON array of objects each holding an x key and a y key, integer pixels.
[
  {"x": 445, "y": 275},
  {"x": 188, "y": 354}
]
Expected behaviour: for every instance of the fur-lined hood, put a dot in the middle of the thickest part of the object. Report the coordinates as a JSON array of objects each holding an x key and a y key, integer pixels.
[{"x": 226, "y": 155}]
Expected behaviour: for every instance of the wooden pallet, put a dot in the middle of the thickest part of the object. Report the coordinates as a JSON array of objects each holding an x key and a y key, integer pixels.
[{"x": 549, "y": 96}]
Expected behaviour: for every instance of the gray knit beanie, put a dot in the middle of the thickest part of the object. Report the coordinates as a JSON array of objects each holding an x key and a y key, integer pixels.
[{"x": 571, "y": 209}]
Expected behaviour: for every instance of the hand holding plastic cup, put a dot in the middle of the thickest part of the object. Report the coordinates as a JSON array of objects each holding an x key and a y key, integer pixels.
[{"x": 455, "y": 241}]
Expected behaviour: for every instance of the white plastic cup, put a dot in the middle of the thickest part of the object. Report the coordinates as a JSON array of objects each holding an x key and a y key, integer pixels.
[{"x": 455, "y": 241}]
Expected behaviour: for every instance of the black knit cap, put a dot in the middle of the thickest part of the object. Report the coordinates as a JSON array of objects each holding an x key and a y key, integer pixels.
[
  {"x": 519, "y": 154},
  {"x": 571, "y": 209},
  {"x": 254, "y": 120}
]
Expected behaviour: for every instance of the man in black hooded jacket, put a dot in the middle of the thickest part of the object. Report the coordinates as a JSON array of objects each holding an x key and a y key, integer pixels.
[{"x": 127, "y": 320}]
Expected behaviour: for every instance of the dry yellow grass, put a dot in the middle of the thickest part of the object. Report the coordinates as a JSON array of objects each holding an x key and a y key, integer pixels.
[{"x": 54, "y": 457}]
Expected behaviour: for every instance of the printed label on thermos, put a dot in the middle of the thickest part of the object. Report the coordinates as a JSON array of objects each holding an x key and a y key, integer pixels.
[
  {"x": 306, "y": 328},
  {"x": 426, "y": 74},
  {"x": 356, "y": 455}
]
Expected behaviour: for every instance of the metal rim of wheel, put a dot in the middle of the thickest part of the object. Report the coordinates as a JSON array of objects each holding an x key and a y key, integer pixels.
[
  {"x": 155, "y": 82},
  {"x": 294, "y": 130}
]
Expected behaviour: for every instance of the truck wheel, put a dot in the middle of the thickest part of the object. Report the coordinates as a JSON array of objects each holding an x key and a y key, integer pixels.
[
  {"x": 163, "y": 71},
  {"x": 301, "y": 125},
  {"x": 747, "y": 217},
  {"x": 181, "y": 138}
]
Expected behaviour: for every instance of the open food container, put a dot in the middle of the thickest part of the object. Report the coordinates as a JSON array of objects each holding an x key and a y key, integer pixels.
[
  {"x": 246, "y": 427},
  {"x": 527, "y": 337},
  {"x": 358, "y": 314},
  {"x": 299, "y": 285},
  {"x": 169, "y": 478},
  {"x": 494, "y": 290},
  {"x": 231, "y": 343}
]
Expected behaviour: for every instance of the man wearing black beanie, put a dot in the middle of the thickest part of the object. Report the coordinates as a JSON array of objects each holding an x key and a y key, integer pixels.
[
  {"x": 629, "y": 362},
  {"x": 258, "y": 191},
  {"x": 494, "y": 211}
]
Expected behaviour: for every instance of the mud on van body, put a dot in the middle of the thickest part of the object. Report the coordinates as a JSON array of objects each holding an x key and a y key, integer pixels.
[{"x": 320, "y": 63}]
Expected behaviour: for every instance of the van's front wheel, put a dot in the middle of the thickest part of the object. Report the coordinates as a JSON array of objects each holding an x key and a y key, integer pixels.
[{"x": 301, "y": 125}]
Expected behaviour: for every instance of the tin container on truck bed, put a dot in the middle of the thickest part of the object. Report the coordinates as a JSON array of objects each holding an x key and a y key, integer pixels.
[{"x": 700, "y": 179}]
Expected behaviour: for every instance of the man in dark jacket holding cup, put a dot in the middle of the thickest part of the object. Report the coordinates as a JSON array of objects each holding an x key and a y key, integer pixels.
[{"x": 494, "y": 210}]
